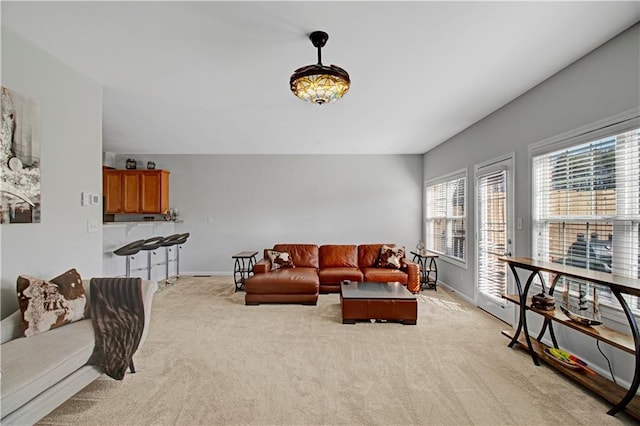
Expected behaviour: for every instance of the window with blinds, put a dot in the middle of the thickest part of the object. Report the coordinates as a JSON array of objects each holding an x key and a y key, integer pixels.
[
  {"x": 586, "y": 209},
  {"x": 445, "y": 216}
]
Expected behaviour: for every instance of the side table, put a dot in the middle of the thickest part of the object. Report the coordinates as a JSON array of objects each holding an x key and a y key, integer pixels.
[
  {"x": 428, "y": 274},
  {"x": 243, "y": 268}
]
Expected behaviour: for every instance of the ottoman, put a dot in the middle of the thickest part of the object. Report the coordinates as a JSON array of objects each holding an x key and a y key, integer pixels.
[{"x": 377, "y": 300}]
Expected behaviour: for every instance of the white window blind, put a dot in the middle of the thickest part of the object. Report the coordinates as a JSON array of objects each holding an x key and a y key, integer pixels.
[
  {"x": 445, "y": 216},
  {"x": 586, "y": 207},
  {"x": 491, "y": 199}
]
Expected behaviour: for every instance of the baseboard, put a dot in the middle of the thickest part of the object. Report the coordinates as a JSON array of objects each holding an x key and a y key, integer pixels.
[
  {"x": 453, "y": 290},
  {"x": 208, "y": 273}
]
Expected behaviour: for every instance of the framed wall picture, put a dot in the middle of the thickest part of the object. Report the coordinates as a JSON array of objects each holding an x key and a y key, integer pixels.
[{"x": 19, "y": 159}]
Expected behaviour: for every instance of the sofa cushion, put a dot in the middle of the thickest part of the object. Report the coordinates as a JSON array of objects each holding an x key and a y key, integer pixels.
[
  {"x": 12, "y": 325},
  {"x": 46, "y": 304},
  {"x": 336, "y": 275},
  {"x": 384, "y": 275},
  {"x": 280, "y": 259},
  {"x": 31, "y": 365},
  {"x": 335, "y": 255},
  {"x": 284, "y": 281},
  {"x": 390, "y": 257},
  {"x": 368, "y": 254},
  {"x": 302, "y": 255}
]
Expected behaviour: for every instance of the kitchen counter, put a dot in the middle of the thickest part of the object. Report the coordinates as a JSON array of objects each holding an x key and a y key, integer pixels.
[{"x": 141, "y": 222}]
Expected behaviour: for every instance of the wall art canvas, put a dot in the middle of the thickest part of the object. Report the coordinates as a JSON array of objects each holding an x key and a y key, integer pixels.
[{"x": 19, "y": 159}]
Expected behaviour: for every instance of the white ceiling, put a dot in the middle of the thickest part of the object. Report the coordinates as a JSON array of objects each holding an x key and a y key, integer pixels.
[{"x": 213, "y": 77}]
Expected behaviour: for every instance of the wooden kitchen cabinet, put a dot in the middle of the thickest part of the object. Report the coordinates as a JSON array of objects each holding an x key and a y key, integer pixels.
[
  {"x": 112, "y": 190},
  {"x": 130, "y": 192},
  {"x": 154, "y": 191},
  {"x": 136, "y": 191}
]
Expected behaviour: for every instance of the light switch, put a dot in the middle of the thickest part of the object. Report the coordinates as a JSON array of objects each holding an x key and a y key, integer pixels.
[
  {"x": 92, "y": 225},
  {"x": 85, "y": 199},
  {"x": 519, "y": 224}
]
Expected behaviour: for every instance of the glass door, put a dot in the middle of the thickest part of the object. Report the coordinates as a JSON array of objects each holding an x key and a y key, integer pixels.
[{"x": 494, "y": 239}]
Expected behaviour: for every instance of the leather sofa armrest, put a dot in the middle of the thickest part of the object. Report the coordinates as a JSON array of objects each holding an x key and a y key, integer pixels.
[
  {"x": 413, "y": 275},
  {"x": 263, "y": 266}
]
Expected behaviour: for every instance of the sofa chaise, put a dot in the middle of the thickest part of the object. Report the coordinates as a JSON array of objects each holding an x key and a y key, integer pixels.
[
  {"x": 314, "y": 269},
  {"x": 42, "y": 371}
]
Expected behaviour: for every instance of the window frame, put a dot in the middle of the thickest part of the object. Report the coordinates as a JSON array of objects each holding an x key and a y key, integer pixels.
[
  {"x": 448, "y": 178},
  {"x": 611, "y": 126}
]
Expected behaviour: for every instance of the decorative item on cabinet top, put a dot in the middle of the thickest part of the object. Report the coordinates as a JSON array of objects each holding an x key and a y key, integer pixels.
[
  {"x": 131, "y": 164},
  {"x": 171, "y": 214},
  {"x": 151, "y": 165}
]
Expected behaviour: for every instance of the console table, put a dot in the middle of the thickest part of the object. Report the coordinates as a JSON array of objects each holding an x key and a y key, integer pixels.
[
  {"x": 243, "y": 267},
  {"x": 623, "y": 399},
  {"x": 428, "y": 274}
]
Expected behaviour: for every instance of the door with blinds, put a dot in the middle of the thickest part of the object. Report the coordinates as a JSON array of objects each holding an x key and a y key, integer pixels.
[{"x": 494, "y": 211}]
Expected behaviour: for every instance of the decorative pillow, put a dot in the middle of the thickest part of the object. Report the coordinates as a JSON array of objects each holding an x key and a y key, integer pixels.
[
  {"x": 46, "y": 305},
  {"x": 280, "y": 259},
  {"x": 390, "y": 257},
  {"x": 71, "y": 278}
]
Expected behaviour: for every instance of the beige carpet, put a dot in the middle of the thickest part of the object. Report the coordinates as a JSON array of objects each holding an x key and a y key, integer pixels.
[{"x": 209, "y": 359}]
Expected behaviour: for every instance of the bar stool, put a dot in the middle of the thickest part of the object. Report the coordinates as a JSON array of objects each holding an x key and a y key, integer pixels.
[
  {"x": 129, "y": 250},
  {"x": 168, "y": 243},
  {"x": 180, "y": 240},
  {"x": 150, "y": 245}
]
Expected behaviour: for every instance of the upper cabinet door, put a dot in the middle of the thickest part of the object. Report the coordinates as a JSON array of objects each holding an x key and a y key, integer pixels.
[
  {"x": 155, "y": 192},
  {"x": 112, "y": 191},
  {"x": 130, "y": 192},
  {"x": 150, "y": 189}
]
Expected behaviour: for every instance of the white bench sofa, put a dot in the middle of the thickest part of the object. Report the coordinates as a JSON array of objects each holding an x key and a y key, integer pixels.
[{"x": 41, "y": 372}]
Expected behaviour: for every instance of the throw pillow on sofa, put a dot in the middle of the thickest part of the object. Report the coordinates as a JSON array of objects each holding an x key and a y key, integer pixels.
[
  {"x": 390, "y": 257},
  {"x": 46, "y": 305},
  {"x": 68, "y": 280},
  {"x": 280, "y": 259}
]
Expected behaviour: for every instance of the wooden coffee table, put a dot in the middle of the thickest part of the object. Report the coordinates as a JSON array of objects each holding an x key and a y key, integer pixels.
[{"x": 379, "y": 301}]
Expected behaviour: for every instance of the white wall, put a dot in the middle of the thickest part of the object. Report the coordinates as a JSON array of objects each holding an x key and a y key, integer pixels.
[
  {"x": 604, "y": 83},
  {"x": 71, "y": 142},
  {"x": 231, "y": 203}
]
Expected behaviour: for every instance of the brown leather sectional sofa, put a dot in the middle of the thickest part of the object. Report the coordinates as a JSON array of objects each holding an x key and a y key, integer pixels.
[{"x": 320, "y": 269}]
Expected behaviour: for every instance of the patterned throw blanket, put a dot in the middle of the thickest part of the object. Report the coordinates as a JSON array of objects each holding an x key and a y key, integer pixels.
[{"x": 117, "y": 313}]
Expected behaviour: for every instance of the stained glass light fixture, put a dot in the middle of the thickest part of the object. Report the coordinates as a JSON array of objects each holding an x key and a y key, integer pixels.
[{"x": 319, "y": 83}]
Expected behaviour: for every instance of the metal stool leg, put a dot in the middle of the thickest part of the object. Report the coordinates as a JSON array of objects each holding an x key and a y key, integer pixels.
[
  {"x": 166, "y": 265},
  {"x": 149, "y": 265},
  {"x": 178, "y": 262},
  {"x": 128, "y": 270}
]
